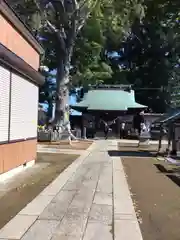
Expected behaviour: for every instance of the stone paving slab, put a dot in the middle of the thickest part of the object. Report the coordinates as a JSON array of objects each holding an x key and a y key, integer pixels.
[
  {"x": 73, "y": 227},
  {"x": 101, "y": 213},
  {"x": 105, "y": 180},
  {"x": 104, "y": 185},
  {"x": 126, "y": 226},
  {"x": 98, "y": 231},
  {"x": 42, "y": 148},
  {"x": 36, "y": 207},
  {"x": 63, "y": 237},
  {"x": 41, "y": 229},
  {"x": 131, "y": 141},
  {"x": 103, "y": 198},
  {"x": 127, "y": 230},
  {"x": 82, "y": 201},
  {"x": 16, "y": 228},
  {"x": 58, "y": 206}
]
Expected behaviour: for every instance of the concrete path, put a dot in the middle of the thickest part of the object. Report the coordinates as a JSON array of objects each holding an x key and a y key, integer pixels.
[
  {"x": 90, "y": 200},
  {"x": 57, "y": 150},
  {"x": 132, "y": 141}
]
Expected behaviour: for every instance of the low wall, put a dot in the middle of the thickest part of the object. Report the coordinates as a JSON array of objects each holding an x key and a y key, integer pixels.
[
  {"x": 53, "y": 136},
  {"x": 13, "y": 155}
]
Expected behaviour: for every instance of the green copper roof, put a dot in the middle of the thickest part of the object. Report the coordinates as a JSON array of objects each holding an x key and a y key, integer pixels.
[{"x": 108, "y": 100}]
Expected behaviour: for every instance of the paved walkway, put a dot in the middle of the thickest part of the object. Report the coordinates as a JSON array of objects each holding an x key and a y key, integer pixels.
[
  {"x": 90, "y": 200},
  {"x": 135, "y": 142},
  {"x": 57, "y": 150}
]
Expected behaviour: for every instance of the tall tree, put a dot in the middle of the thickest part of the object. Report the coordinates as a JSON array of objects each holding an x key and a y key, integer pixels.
[
  {"x": 58, "y": 24},
  {"x": 151, "y": 53},
  {"x": 88, "y": 61}
]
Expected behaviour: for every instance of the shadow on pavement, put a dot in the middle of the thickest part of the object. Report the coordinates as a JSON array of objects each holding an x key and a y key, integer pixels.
[
  {"x": 140, "y": 153},
  {"x": 173, "y": 174}
]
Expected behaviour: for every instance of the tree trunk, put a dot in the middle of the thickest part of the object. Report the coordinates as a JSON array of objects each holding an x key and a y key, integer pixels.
[
  {"x": 64, "y": 54},
  {"x": 62, "y": 91},
  {"x": 59, "y": 93},
  {"x": 50, "y": 111}
]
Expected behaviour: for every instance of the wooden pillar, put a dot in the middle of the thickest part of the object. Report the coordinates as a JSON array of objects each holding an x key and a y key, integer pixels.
[
  {"x": 96, "y": 125},
  {"x": 170, "y": 137},
  {"x": 118, "y": 127},
  {"x": 160, "y": 138},
  {"x": 175, "y": 139},
  {"x": 84, "y": 127},
  {"x": 81, "y": 125}
]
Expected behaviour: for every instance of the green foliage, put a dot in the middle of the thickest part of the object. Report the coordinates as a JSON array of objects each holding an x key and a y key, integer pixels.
[
  {"x": 28, "y": 12},
  {"x": 149, "y": 33},
  {"x": 151, "y": 54},
  {"x": 86, "y": 61},
  {"x": 108, "y": 22},
  {"x": 100, "y": 26}
]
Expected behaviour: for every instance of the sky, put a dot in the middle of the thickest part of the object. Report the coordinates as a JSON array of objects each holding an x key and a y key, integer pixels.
[{"x": 72, "y": 101}]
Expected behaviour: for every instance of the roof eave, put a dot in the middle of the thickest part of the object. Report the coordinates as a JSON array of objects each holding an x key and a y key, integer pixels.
[
  {"x": 12, "y": 61},
  {"x": 14, "y": 19}
]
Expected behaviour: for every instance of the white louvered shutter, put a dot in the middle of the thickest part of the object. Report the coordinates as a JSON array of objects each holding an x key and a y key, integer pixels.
[
  {"x": 4, "y": 103},
  {"x": 24, "y": 109},
  {"x": 31, "y": 110}
]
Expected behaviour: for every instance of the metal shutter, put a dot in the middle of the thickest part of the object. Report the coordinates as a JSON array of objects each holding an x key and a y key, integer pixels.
[
  {"x": 24, "y": 109},
  {"x": 4, "y": 103}
]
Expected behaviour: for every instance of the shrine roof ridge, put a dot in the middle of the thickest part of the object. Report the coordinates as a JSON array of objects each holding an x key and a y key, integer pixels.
[{"x": 124, "y": 87}]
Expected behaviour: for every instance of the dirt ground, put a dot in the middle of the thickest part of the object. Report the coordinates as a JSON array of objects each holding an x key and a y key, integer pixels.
[
  {"x": 156, "y": 193},
  {"x": 80, "y": 145},
  {"x": 23, "y": 188}
]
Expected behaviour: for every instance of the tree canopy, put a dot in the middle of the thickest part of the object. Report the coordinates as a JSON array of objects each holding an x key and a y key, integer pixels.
[
  {"x": 77, "y": 35},
  {"x": 149, "y": 58},
  {"x": 144, "y": 36}
]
